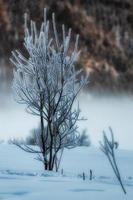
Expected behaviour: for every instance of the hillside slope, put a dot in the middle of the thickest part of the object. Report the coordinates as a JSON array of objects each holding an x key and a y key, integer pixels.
[{"x": 106, "y": 35}]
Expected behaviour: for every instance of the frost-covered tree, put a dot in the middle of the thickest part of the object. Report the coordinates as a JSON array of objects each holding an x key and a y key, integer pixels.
[
  {"x": 108, "y": 147},
  {"x": 48, "y": 83}
]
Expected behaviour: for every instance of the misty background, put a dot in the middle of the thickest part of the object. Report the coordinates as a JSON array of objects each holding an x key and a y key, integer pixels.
[{"x": 100, "y": 113}]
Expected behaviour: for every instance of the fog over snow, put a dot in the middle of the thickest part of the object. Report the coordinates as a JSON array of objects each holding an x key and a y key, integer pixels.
[{"x": 101, "y": 112}]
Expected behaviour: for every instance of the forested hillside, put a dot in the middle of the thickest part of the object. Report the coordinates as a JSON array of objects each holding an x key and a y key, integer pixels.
[{"x": 106, "y": 36}]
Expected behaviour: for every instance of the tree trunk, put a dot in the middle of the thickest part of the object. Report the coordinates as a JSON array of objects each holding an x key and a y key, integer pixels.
[{"x": 51, "y": 154}]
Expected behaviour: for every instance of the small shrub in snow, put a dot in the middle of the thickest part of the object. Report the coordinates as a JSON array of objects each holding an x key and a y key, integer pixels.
[
  {"x": 108, "y": 147},
  {"x": 84, "y": 139},
  {"x": 91, "y": 175},
  {"x": 83, "y": 176}
]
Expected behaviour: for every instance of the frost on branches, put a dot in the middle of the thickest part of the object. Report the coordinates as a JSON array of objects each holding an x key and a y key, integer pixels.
[{"x": 47, "y": 82}]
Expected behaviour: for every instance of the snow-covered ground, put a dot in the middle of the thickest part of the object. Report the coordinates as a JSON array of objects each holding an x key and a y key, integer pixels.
[{"x": 22, "y": 177}]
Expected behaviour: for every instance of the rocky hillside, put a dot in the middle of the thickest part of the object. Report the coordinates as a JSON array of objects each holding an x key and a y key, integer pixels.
[{"x": 106, "y": 35}]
